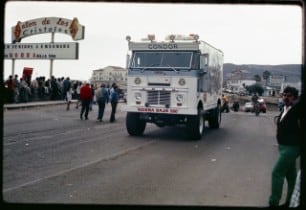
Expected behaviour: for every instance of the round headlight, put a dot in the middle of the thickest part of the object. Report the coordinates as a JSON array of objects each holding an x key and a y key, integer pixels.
[
  {"x": 182, "y": 82},
  {"x": 179, "y": 97},
  {"x": 137, "y": 80},
  {"x": 138, "y": 96}
]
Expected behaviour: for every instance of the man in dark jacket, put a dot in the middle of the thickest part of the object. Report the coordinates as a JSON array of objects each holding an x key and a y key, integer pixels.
[
  {"x": 288, "y": 137},
  {"x": 101, "y": 97},
  {"x": 114, "y": 97},
  {"x": 10, "y": 85},
  {"x": 66, "y": 85},
  {"x": 85, "y": 97}
]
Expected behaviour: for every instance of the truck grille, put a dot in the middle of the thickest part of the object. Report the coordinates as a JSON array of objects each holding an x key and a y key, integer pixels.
[{"x": 159, "y": 97}]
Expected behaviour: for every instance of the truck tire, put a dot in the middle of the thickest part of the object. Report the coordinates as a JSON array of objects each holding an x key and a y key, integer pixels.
[
  {"x": 196, "y": 125},
  {"x": 215, "y": 118},
  {"x": 134, "y": 125}
]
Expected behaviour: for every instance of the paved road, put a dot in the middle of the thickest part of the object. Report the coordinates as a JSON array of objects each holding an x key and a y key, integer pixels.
[{"x": 51, "y": 156}]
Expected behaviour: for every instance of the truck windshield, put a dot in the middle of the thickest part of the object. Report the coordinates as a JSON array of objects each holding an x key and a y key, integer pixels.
[{"x": 177, "y": 60}]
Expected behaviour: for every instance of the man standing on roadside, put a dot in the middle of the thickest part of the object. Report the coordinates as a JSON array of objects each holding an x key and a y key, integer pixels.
[
  {"x": 101, "y": 97},
  {"x": 67, "y": 92},
  {"x": 85, "y": 97},
  {"x": 16, "y": 89},
  {"x": 10, "y": 85},
  {"x": 288, "y": 136},
  {"x": 114, "y": 101}
]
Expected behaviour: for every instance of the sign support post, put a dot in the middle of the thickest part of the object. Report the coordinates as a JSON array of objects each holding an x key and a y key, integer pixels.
[
  {"x": 13, "y": 67},
  {"x": 51, "y": 60}
]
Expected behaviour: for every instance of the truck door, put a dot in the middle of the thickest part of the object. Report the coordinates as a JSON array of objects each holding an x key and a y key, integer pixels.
[{"x": 203, "y": 80}]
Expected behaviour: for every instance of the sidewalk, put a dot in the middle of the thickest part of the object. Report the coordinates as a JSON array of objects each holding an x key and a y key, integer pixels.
[{"x": 34, "y": 104}]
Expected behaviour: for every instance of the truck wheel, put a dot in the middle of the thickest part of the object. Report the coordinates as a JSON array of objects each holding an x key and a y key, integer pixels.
[
  {"x": 196, "y": 125},
  {"x": 215, "y": 118},
  {"x": 134, "y": 125}
]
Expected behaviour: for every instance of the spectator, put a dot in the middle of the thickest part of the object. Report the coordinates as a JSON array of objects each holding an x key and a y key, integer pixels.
[
  {"x": 34, "y": 87},
  {"x": 9, "y": 83},
  {"x": 66, "y": 85},
  {"x": 24, "y": 91},
  {"x": 68, "y": 98},
  {"x": 92, "y": 98},
  {"x": 46, "y": 86},
  {"x": 78, "y": 88},
  {"x": 16, "y": 89},
  {"x": 101, "y": 97},
  {"x": 114, "y": 101},
  {"x": 61, "y": 88},
  {"x": 54, "y": 88},
  {"x": 288, "y": 135},
  {"x": 108, "y": 93},
  {"x": 85, "y": 97}
]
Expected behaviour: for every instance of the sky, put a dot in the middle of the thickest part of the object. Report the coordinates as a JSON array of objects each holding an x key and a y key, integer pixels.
[{"x": 247, "y": 34}]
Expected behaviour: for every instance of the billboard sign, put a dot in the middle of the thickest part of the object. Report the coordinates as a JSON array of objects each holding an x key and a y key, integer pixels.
[
  {"x": 57, "y": 50},
  {"x": 48, "y": 25}
]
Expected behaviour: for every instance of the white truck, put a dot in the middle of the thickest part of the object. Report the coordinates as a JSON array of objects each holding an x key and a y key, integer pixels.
[{"x": 175, "y": 81}]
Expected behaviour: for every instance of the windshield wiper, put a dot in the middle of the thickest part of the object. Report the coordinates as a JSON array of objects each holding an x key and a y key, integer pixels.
[
  {"x": 153, "y": 64},
  {"x": 172, "y": 68}
]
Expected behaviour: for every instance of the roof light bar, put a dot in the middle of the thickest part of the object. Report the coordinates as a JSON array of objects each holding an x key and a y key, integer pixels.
[{"x": 173, "y": 37}]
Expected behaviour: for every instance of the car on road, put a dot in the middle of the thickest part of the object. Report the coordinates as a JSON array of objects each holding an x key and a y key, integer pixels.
[{"x": 248, "y": 107}]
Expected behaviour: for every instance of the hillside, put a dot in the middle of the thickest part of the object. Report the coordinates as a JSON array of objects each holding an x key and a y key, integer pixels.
[{"x": 291, "y": 71}]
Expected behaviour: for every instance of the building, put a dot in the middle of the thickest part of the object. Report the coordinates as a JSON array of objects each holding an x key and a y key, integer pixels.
[
  {"x": 238, "y": 80},
  {"x": 109, "y": 75},
  {"x": 275, "y": 81},
  {"x": 238, "y": 85},
  {"x": 273, "y": 84}
]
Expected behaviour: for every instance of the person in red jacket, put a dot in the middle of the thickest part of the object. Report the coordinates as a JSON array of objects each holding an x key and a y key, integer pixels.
[{"x": 85, "y": 97}]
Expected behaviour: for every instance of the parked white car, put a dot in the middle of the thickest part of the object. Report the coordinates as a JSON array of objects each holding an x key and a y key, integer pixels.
[{"x": 248, "y": 107}]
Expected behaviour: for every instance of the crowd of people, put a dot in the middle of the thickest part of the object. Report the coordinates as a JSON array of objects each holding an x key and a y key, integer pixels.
[{"x": 24, "y": 90}]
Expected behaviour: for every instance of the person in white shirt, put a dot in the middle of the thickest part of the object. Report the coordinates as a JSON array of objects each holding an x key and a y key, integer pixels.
[{"x": 288, "y": 135}]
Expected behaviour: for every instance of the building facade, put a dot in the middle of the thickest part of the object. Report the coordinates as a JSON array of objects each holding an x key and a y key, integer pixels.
[
  {"x": 238, "y": 80},
  {"x": 109, "y": 75}
]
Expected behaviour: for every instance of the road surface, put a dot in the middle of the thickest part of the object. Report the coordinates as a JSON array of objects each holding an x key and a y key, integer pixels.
[{"x": 51, "y": 156}]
